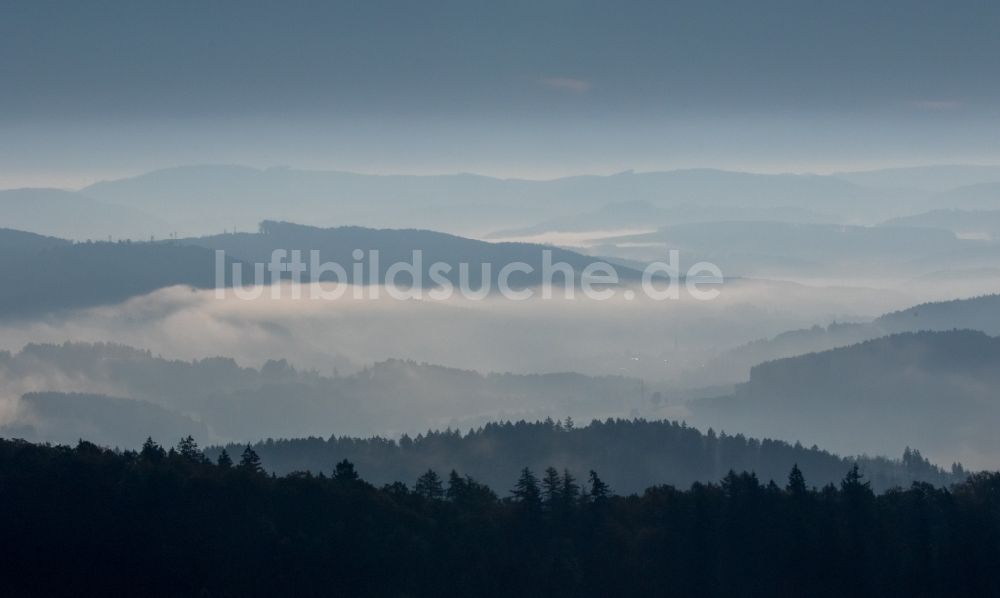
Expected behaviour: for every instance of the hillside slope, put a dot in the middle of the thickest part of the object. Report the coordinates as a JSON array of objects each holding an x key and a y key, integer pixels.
[{"x": 937, "y": 390}]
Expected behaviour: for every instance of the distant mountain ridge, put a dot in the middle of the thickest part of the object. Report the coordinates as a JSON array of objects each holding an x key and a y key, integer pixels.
[{"x": 207, "y": 199}]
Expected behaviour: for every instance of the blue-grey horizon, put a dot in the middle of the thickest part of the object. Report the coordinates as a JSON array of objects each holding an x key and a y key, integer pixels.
[{"x": 534, "y": 89}]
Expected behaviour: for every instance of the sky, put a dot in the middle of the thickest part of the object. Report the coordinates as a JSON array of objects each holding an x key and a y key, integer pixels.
[{"x": 532, "y": 89}]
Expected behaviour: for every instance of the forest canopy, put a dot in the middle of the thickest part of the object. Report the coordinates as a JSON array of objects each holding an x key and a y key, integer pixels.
[{"x": 157, "y": 522}]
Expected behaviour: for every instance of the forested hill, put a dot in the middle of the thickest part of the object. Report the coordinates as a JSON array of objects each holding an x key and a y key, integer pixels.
[
  {"x": 45, "y": 274},
  {"x": 396, "y": 246},
  {"x": 20, "y": 243},
  {"x": 92, "y": 522},
  {"x": 977, "y": 313},
  {"x": 631, "y": 454},
  {"x": 54, "y": 274},
  {"x": 935, "y": 389}
]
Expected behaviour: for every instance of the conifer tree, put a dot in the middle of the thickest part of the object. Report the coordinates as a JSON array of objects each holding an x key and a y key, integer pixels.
[
  {"x": 599, "y": 491},
  {"x": 429, "y": 486},
  {"x": 250, "y": 461},
  {"x": 345, "y": 472},
  {"x": 152, "y": 451},
  {"x": 526, "y": 491},
  {"x": 551, "y": 487},
  {"x": 796, "y": 482}
]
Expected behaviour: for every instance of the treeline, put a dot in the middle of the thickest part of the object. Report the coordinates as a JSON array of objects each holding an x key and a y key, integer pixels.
[
  {"x": 91, "y": 521},
  {"x": 633, "y": 453}
]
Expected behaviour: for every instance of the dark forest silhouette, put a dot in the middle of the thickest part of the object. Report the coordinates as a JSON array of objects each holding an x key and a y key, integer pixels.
[
  {"x": 90, "y": 521},
  {"x": 633, "y": 454}
]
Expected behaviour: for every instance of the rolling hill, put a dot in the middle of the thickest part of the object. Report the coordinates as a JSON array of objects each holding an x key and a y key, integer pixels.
[
  {"x": 976, "y": 313},
  {"x": 47, "y": 275},
  {"x": 54, "y": 274},
  {"x": 937, "y": 390},
  {"x": 395, "y": 245}
]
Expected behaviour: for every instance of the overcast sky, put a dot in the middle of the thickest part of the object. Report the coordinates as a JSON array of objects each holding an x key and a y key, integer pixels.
[{"x": 535, "y": 88}]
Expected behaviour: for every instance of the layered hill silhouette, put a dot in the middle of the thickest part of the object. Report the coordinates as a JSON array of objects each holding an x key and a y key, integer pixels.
[
  {"x": 937, "y": 389},
  {"x": 397, "y": 246},
  {"x": 217, "y": 400},
  {"x": 214, "y": 197},
  {"x": 206, "y": 199},
  {"x": 242, "y": 403},
  {"x": 53, "y": 274},
  {"x": 976, "y": 313},
  {"x": 44, "y": 274}
]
